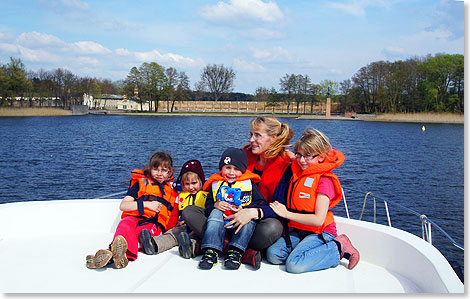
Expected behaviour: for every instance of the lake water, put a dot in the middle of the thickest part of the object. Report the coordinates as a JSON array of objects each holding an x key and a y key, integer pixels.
[{"x": 50, "y": 158}]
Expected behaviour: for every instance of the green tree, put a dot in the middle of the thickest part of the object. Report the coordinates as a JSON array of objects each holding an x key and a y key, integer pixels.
[
  {"x": 17, "y": 82},
  {"x": 96, "y": 92}
]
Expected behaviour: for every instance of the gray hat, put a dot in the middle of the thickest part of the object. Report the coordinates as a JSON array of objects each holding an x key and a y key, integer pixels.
[{"x": 234, "y": 156}]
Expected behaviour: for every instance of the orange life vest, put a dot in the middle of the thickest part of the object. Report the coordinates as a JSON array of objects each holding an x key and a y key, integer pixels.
[
  {"x": 302, "y": 192},
  {"x": 149, "y": 190},
  {"x": 272, "y": 172}
]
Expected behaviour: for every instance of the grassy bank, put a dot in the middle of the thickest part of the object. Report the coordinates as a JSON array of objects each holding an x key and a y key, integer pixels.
[
  {"x": 7, "y": 111},
  {"x": 422, "y": 117}
]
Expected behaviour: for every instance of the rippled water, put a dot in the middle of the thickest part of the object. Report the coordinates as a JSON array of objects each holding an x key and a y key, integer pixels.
[{"x": 48, "y": 158}]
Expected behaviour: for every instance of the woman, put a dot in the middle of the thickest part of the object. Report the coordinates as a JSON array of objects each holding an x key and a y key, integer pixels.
[{"x": 267, "y": 157}]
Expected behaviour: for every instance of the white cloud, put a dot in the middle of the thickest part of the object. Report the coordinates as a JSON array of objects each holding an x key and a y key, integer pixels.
[
  {"x": 261, "y": 34},
  {"x": 358, "y": 7},
  {"x": 38, "y": 40},
  {"x": 393, "y": 52},
  {"x": 271, "y": 55},
  {"x": 75, "y": 4},
  {"x": 241, "y": 11},
  {"x": 37, "y": 55},
  {"x": 88, "y": 47},
  {"x": 168, "y": 58},
  {"x": 8, "y": 48},
  {"x": 246, "y": 66},
  {"x": 88, "y": 61}
]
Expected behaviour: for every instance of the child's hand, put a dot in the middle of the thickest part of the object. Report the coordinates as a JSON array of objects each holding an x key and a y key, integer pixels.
[
  {"x": 222, "y": 205},
  {"x": 153, "y": 205},
  {"x": 279, "y": 209}
]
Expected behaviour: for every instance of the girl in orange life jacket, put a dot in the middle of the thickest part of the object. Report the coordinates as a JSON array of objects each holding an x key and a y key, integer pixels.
[
  {"x": 150, "y": 205},
  {"x": 307, "y": 192},
  {"x": 191, "y": 179}
]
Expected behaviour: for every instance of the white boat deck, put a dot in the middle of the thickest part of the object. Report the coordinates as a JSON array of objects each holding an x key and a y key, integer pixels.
[{"x": 43, "y": 251}]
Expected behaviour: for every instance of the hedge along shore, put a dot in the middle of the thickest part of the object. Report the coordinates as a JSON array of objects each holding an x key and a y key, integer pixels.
[
  {"x": 7, "y": 111},
  {"x": 422, "y": 117}
]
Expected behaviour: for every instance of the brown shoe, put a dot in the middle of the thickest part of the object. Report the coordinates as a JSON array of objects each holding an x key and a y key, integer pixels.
[
  {"x": 99, "y": 260},
  {"x": 119, "y": 249}
]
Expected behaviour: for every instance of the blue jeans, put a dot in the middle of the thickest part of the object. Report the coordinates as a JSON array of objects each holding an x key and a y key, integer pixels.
[
  {"x": 214, "y": 236},
  {"x": 312, "y": 253}
]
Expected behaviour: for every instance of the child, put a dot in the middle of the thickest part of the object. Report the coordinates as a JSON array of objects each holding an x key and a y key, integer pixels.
[
  {"x": 311, "y": 241},
  {"x": 147, "y": 211},
  {"x": 191, "y": 179},
  {"x": 233, "y": 174}
]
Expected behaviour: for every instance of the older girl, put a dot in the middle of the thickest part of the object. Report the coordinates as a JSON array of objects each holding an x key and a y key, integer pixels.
[{"x": 310, "y": 190}]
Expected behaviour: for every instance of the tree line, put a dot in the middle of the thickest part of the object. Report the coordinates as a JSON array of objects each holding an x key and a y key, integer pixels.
[
  {"x": 420, "y": 84},
  {"x": 427, "y": 84}
]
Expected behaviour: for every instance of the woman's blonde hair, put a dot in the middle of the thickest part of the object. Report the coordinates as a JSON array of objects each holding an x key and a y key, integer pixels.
[
  {"x": 281, "y": 131},
  {"x": 313, "y": 142}
]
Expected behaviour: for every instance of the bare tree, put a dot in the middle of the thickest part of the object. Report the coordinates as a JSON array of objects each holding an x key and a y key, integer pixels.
[{"x": 218, "y": 79}]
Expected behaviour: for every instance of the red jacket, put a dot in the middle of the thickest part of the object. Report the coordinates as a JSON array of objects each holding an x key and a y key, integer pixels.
[{"x": 272, "y": 172}]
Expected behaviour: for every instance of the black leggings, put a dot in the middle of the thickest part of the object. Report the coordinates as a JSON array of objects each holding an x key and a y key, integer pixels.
[{"x": 267, "y": 230}]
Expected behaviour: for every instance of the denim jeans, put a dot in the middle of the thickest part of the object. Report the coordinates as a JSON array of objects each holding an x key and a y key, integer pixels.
[
  {"x": 214, "y": 236},
  {"x": 312, "y": 253}
]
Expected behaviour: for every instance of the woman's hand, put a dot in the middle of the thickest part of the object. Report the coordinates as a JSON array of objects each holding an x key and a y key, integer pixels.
[
  {"x": 279, "y": 209},
  {"x": 240, "y": 218}
]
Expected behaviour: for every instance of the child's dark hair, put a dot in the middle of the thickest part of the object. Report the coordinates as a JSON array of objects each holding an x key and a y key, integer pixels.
[{"x": 159, "y": 159}]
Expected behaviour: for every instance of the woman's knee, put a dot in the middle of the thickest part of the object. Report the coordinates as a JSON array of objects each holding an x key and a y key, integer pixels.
[{"x": 266, "y": 233}]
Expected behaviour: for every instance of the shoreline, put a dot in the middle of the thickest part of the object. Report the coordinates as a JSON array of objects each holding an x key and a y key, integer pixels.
[{"x": 423, "y": 117}]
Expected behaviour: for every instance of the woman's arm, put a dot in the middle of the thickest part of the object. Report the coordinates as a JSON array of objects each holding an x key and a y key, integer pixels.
[{"x": 317, "y": 219}]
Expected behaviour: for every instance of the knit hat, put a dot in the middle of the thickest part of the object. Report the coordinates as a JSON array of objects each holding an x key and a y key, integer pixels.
[
  {"x": 234, "y": 156},
  {"x": 193, "y": 166}
]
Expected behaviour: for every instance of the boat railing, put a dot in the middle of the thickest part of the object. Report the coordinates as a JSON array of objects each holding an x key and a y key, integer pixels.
[{"x": 426, "y": 223}]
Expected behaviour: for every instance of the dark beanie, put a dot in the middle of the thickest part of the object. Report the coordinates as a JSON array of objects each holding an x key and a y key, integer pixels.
[
  {"x": 234, "y": 156},
  {"x": 193, "y": 166}
]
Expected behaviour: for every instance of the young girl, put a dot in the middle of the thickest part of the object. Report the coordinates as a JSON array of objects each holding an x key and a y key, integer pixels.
[
  {"x": 191, "y": 179},
  {"x": 148, "y": 209},
  {"x": 310, "y": 191}
]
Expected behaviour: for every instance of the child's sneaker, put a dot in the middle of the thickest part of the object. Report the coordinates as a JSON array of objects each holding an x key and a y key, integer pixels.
[
  {"x": 209, "y": 259},
  {"x": 148, "y": 244},
  {"x": 99, "y": 260},
  {"x": 119, "y": 249},
  {"x": 348, "y": 251},
  {"x": 232, "y": 261},
  {"x": 184, "y": 245}
]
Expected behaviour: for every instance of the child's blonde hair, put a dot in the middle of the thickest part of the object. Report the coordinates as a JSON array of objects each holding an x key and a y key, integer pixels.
[
  {"x": 281, "y": 131},
  {"x": 189, "y": 175},
  {"x": 313, "y": 142}
]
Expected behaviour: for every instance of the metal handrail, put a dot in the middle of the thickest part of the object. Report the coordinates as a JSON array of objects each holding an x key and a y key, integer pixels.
[{"x": 426, "y": 223}]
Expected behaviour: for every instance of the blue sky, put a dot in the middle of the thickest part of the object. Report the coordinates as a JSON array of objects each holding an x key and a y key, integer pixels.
[{"x": 261, "y": 40}]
